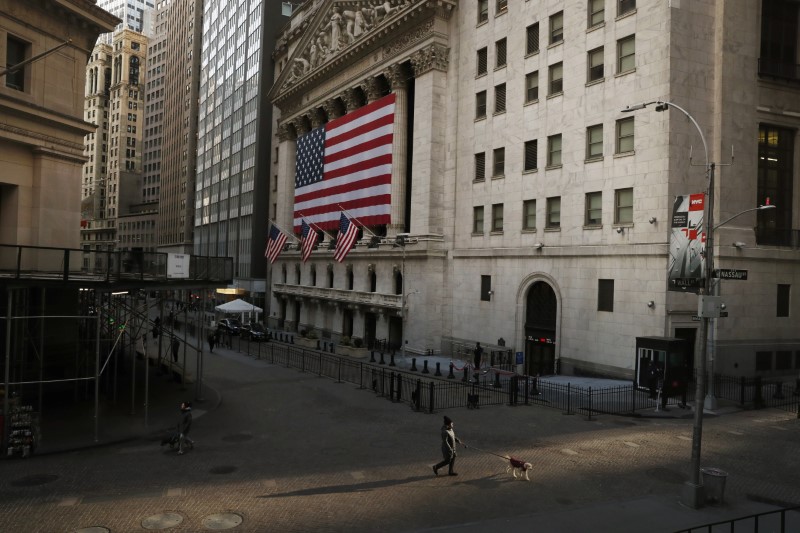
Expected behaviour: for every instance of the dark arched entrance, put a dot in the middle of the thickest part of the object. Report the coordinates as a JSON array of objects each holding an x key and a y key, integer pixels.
[{"x": 541, "y": 309}]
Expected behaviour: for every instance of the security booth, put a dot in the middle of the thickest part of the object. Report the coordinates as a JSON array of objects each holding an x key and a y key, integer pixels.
[{"x": 671, "y": 356}]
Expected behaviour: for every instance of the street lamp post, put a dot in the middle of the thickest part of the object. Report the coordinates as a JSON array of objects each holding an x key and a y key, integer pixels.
[{"x": 693, "y": 491}]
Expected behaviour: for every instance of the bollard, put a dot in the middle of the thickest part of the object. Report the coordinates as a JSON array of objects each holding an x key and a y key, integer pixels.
[
  {"x": 382, "y": 361},
  {"x": 497, "y": 381},
  {"x": 415, "y": 396},
  {"x": 451, "y": 375},
  {"x": 425, "y": 367},
  {"x": 438, "y": 370},
  {"x": 391, "y": 363},
  {"x": 413, "y": 364},
  {"x": 466, "y": 374},
  {"x": 372, "y": 356}
]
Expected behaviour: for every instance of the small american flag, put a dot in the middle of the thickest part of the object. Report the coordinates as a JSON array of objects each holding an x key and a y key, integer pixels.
[
  {"x": 308, "y": 240},
  {"x": 275, "y": 243},
  {"x": 347, "y": 164},
  {"x": 348, "y": 231}
]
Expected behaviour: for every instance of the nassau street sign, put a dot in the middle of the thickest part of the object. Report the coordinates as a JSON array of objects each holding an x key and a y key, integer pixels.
[{"x": 728, "y": 273}]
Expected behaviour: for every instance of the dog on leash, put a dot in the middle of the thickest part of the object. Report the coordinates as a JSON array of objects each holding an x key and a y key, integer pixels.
[{"x": 518, "y": 465}]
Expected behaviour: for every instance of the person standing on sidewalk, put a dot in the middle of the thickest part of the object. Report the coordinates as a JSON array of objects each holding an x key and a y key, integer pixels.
[
  {"x": 184, "y": 425},
  {"x": 477, "y": 356},
  {"x": 449, "y": 441},
  {"x": 211, "y": 341}
]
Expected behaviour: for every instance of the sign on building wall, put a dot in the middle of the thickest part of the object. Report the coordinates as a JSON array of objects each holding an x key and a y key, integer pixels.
[
  {"x": 687, "y": 244},
  {"x": 178, "y": 266}
]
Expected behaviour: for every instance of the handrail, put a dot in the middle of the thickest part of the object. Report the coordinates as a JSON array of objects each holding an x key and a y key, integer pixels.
[{"x": 756, "y": 516}]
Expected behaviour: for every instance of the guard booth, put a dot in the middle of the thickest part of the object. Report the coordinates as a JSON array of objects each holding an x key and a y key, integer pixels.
[{"x": 672, "y": 357}]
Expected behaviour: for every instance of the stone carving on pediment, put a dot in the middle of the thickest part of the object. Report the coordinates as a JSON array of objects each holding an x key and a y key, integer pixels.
[
  {"x": 432, "y": 57},
  {"x": 345, "y": 24},
  {"x": 404, "y": 41}
]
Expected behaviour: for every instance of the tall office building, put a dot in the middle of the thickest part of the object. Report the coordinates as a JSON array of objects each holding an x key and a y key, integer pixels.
[
  {"x": 233, "y": 150},
  {"x": 131, "y": 12},
  {"x": 536, "y": 210}
]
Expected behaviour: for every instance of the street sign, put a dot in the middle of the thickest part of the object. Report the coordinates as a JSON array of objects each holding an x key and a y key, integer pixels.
[
  {"x": 695, "y": 318},
  {"x": 729, "y": 273},
  {"x": 723, "y": 314}
]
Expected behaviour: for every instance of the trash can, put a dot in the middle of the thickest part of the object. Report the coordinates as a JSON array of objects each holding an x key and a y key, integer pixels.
[{"x": 714, "y": 484}]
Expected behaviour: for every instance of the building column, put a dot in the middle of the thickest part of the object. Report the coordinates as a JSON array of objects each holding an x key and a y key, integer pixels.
[
  {"x": 358, "y": 323},
  {"x": 397, "y": 77},
  {"x": 430, "y": 88},
  {"x": 373, "y": 88},
  {"x": 287, "y": 155}
]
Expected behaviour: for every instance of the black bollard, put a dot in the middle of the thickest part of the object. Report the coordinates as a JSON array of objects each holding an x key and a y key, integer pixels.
[
  {"x": 438, "y": 370},
  {"x": 382, "y": 361},
  {"x": 497, "y": 381},
  {"x": 372, "y": 356},
  {"x": 451, "y": 375},
  {"x": 425, "y": 367},
  {"x": 391, "y": 362},
  {"x": 413, "y": 364},
  {"x": 466, "y": 374}
]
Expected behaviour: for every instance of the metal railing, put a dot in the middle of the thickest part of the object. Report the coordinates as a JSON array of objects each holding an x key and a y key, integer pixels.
[{"x": 779, "y": 521}]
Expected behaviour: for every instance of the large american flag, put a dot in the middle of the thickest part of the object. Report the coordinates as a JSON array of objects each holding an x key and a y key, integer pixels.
[
  {"x": 275, "y": 243},
  {"x": 348, "y": 231},
  {"x": 308, "y": 240},
  {"x": 347, "y": 165}
]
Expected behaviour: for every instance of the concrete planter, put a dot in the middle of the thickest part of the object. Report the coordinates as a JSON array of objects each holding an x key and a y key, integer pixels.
[{"x": 352, "y": 351}]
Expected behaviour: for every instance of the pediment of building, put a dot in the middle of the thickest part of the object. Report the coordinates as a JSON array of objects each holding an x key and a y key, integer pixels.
[{"x": 339, "y": 33}]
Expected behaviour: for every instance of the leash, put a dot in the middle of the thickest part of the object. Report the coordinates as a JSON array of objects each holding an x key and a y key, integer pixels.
[{"x": 486, "y": 451}]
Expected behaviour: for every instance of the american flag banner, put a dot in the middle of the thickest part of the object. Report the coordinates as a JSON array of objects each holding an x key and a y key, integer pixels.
[
  {"x": 275, "y": 243},
  {"x": 348, "y": 231},
  {"x": 347, "y": 165},
  {"x": 308, "y": 240}
]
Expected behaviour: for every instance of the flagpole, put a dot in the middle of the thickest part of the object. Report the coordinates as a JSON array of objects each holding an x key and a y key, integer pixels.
[
  {"x": 315, "y": 227},
  {"x": 351, "y": 216},
  {"x": 287, "y": 233}
]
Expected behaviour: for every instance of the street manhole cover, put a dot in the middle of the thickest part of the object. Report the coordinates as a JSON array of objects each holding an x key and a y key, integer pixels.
[
  {"x": 162, "y": 521},
  {"x": 34, "y": 480},
  {"x": 223, "y": 469},
  {"x": 222, "y": 521},
  {"x": 93, "y": 529},
  {"x": 239, "y": 437},
  {"x": 666, "y": 475}
]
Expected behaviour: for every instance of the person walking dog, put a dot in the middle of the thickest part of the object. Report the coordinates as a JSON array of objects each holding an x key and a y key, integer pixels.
[
  {"x": 449, "y": 441},
  {"x": 184, "y": 425}
]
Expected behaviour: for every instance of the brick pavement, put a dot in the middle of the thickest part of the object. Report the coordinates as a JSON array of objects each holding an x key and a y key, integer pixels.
[{"x": 289, "y": 451}]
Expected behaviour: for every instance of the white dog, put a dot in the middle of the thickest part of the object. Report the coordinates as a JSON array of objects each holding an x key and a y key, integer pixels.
[{"x": 515, "y": 465}]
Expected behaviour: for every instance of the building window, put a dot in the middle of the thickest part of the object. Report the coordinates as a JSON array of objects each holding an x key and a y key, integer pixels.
[
  {"x": 763, "y": 361},
  {"x": 502, "y": 6},
  {"x": 17, "y": 51},
  {"x": 486, "y": 288},
  {"x": 625, "y": 135},
  {"x": 482, "y": 62},
  {"x": 483, "y": 11},
  {"x": 594, "y": 208},
  {"x": 783, "y": 300},
  {"x": 532, "y": 87},
  {"x": 594, "y": 63},
  {"x": 553, "y": 212},
  {"x": 480, "y": 105},
  {"x": 623, "y": 206},
  {"x": 775, "y": 182},
  {"x": 626, "y": 54},
  {"x": 499, "y": 166},
  {"x": 557, "y": 27},
  {"x": 529, "y": 215},
  {"x": 500, "y": 98},
  {"x": 625, "y": 6},
  {"x": 480, "y": 166},
  {"x": 477, "y": 219},
  {"x": 500, "y": 53},
  {"x": 497, "y": 217},
  {"x": 532, "y": 39},
  {"x": 597, "y": 12},
  {"x": 594, "y": 142},
  {"x": 556, "y": 78},
  {"x": 605, "y": 295},
  {"x": 779, "y": 39},
  {"x": 530, "y": 162},
  {"x": 554, "y": 151},
  {"x": 783, "y": 360}
]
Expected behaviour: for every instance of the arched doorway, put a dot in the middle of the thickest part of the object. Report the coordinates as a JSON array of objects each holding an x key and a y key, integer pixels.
[{"x": 541, "y": 311}]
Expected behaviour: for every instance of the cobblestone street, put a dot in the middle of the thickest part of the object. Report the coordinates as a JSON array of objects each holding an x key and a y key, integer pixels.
[{"x": 289, "y": 451}]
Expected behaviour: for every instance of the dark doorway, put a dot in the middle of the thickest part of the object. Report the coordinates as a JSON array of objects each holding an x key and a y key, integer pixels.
[
  {"x": 395, "y": 332},
  {"x": 347, "y": 323},
  {"x": 297, "y": 316},
  {"x": 370, "y": 322},
  {"x": 541, "y": 310},
  {"x": 690, "y": 335}
]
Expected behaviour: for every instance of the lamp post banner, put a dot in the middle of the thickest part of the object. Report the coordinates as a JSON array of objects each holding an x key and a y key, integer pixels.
[{"x": 687, "y": 244}]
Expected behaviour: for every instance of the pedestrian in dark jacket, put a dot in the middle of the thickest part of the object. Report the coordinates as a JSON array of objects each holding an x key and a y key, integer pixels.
[
  {"x": 176, "y": 346},
  {"x": 184, "y": 425},
  {"x": 211, "y": 341},
  {"x": 477, "y": 356},
  {"x": 449, "y": 441}
]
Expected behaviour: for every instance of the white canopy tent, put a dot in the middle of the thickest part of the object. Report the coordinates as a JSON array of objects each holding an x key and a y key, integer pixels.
[{"x": 240, "y": 307}]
